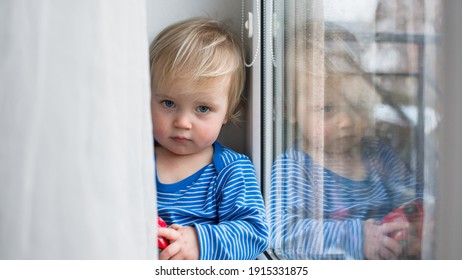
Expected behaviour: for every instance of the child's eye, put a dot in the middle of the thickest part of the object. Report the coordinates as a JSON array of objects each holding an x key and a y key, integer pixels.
[
  {"x": 203, "y": 109},
  {"x": 168, "y": 103},
  {"x": 325, "y": 109},
  {"x": 328, "y": 109}
]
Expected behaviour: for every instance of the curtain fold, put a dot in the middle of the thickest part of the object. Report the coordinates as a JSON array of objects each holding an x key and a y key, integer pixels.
[{"x": 76, "y": 151}]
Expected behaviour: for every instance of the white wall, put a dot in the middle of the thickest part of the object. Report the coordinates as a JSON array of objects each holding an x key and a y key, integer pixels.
[{"x": 161, "y": 13}]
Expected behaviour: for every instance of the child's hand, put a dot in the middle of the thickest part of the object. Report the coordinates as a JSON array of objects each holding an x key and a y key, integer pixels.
[
  {"x": 377, "y": 242},
  {"x": 413, "y": 244},
  {"x": 162, "y": 242},
  {"x": 184, "y": 244}
]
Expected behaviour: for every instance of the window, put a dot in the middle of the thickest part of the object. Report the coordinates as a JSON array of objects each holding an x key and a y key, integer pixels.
[{"x": 350, "y": 98}]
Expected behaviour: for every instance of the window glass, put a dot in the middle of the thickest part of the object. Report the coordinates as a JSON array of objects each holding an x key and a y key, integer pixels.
[{"x": 350, "y": 118}]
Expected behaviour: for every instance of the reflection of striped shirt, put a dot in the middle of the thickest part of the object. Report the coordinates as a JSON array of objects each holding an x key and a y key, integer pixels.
[
  {"x": 300, "y": 189},
  {"x": 223, "y": 202}
]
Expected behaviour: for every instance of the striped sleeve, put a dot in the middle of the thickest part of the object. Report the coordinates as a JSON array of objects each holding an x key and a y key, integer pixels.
[
  {"x": 297, "y": 229},
  {"x": 242, "y": 231},
  {"x": 400, "y": 181}
]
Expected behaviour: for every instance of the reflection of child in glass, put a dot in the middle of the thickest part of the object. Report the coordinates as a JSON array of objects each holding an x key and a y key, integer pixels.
[
  {"x": 207, "y": 193},
  {"x": 331, "y": 190}
]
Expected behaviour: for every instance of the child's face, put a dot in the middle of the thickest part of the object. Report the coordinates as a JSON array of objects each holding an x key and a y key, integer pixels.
[
  {"x": 335, "y": 120},
  {"x": 187, "y": 119}
]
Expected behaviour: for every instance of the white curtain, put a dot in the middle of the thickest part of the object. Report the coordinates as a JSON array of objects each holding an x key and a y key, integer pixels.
[{"x": 76, "y": 155}]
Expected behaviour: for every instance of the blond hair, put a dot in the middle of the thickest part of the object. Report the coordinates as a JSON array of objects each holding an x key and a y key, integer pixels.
[
  {"x": 325, "y": 49},
  {"x": 202, "y": 51}
]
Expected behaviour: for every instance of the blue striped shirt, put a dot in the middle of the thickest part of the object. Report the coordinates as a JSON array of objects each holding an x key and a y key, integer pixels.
[
  {"x": 224, "y": 203},
  {"x": 317, "y": 214}
]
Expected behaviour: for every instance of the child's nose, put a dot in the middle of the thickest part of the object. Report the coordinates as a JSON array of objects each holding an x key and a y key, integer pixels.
[
  {"x": 183, "y": 121},
  {"x": 345, "y": 119}
]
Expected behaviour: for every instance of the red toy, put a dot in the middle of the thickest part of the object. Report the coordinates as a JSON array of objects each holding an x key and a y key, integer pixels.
[
  {"x": 410, "y": 212},
  {"x": 162, "y": 243}
]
